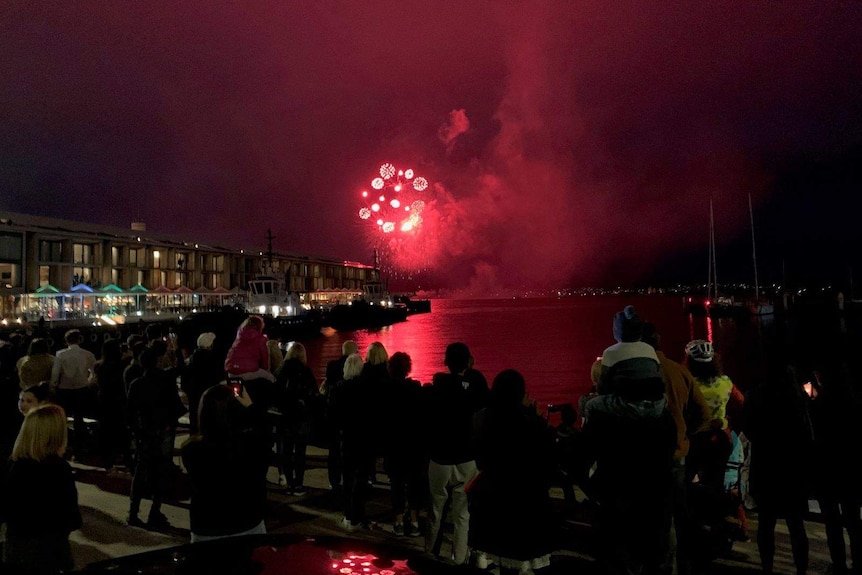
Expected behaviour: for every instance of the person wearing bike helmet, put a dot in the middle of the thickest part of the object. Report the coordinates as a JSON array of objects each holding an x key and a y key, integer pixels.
[{"x": 710, "y": 450}]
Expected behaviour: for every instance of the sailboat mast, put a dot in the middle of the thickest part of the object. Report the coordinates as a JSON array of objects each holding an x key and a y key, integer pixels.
[
  {"x": 269, "y": 252},
  {"x": 753, "y": 251},
  {"x": 713, "y": 273}
]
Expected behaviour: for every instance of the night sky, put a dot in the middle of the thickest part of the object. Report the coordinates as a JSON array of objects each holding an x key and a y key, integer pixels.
[{"x": 566, "y": 143}]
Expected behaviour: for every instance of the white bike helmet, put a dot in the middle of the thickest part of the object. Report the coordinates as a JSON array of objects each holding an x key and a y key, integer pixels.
[{"x": 700, "y": 350}]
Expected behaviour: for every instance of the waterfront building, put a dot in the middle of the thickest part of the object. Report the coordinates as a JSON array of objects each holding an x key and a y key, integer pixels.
[{"x": 65, "y": 270}]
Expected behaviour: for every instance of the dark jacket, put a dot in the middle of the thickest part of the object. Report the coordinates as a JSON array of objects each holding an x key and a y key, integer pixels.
[
  {"x": 53, "y": 508},
  {"x": 112, "y": 390},
  {"x": 510, "y": 507},
  {"x": 451, "y": 402},
  {"x": 403, "y": 404},
  {"x": 335, "y": 370},
  {"x": 154, "y": 404},
  {"x": 834, "y": 417},
  {"x": 204, "y": 369},
  {"x": 776, "y": 422},
  {"x": 228, "y": 480},
  {"x": 354, "y": 405},
  {"x": 633, "y": 454},
  {"x": 632, "y": 448},
  {"x": 38, "y": 527},
  {"x": 299, "y": 399}
]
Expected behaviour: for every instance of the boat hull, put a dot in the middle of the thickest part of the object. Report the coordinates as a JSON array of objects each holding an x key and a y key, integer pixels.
[{"x": 361, "y": 315}]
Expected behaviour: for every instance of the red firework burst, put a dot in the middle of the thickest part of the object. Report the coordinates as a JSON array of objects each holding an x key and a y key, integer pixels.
[{"x": 395, "y": 205}]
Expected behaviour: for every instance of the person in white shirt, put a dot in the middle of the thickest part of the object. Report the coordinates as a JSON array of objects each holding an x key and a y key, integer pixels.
[{"x": 71, "y": 378}]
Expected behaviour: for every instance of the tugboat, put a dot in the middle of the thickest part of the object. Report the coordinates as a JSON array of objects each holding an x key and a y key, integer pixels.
[
  {"x": 375, "y": 308},
  {"x": 268, "y": 298}
]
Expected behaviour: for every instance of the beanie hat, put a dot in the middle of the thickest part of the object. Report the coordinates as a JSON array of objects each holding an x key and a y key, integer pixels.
[
  {"x": 628, "y": 325},
  {"x": 206, "y": 339}
]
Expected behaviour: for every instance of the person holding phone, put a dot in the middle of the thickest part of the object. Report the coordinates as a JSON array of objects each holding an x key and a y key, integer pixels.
[
  {"x": 236, "y": 387},
  {"x": 227, "y": 461}
]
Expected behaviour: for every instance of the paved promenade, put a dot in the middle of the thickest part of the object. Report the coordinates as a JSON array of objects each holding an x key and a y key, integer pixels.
[{"x": 104, "y": 502}]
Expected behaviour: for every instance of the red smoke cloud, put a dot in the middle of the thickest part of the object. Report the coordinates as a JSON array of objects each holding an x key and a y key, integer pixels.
[
  {"x": 580, "y": 143},
  {"x": 457, "y": 125}
]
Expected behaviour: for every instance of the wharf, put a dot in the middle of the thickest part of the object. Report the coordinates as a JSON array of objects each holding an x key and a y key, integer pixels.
[{"x": 103, "y": 498}]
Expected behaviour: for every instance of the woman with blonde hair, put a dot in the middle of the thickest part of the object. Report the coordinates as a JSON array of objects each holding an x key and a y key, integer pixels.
[
  {"x": 37, "y": 528},
  {"x": 375, "y": 356}
]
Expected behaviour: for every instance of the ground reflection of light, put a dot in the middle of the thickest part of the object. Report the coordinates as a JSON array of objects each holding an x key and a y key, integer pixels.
[{"x": 709, "y": 328}]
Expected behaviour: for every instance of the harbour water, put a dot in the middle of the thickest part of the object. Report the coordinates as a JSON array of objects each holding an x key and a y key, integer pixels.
[{"x": 552, "y": 341}]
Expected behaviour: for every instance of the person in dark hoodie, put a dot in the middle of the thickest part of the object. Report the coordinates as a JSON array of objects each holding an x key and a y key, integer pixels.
[
  {"x": 511, "y": 518},
  {"x": 204, "y": 369},
  {"x": 298, "y": 402},
  {"x": 777, "y": 423},
  {"x": 838, "y": 477},
  {"x": 153, "y": 408},
  {"x": 227, "y": 463},
  {"x": 451, "y": 401}
]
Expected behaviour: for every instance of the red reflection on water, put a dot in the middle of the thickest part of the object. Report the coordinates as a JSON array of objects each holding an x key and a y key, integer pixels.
[
  {"x": 552, "y": 342},
  {"x": 709, "y": 336}
]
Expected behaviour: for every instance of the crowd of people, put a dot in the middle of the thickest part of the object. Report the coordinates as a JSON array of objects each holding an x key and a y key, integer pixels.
[{"x": 669, "y": 456}]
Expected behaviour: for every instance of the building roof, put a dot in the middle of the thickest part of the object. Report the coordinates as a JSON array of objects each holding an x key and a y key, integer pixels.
[{"x": 14, "y": 221}]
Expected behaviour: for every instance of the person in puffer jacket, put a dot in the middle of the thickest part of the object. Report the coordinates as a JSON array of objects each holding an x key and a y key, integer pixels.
[{"x": 248, "y": 356}]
